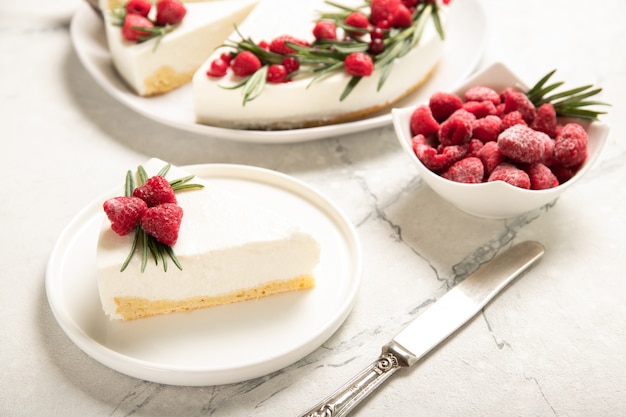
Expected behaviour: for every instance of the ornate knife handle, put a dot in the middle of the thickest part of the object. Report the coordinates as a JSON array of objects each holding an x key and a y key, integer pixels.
[{"x": 342, "y": 401}]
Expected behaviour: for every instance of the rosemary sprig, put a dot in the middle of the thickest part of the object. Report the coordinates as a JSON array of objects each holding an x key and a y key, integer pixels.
[
  {"x": 118, "y": 15},
  {"x": 150, "y": 246},
  {"x": 569, "y": 103},
  {"x": 323, "y": 57}
]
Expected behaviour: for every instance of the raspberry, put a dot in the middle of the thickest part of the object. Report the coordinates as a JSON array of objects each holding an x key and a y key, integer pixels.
[
  {"x": 545, "y": 121},
  {"x": 382, "y": 10},
  {"x": 278, "y": 45},
  {"x": 522, "y": 144},
  {"x": 245, "y": 63},
  {"x": 480, "y": 93},
  {"x": 156, "y": 190},
  {"x": 487, "y": 129},
  {"x": 130, "y": 30},
  {"x": 480, "y": 109},
  {"x": 140, "y": 7},
  {"x": 433, "y": 160},
  {"x": 359, "y": 64},
  {"x": 291, "y": 64},
  {"x": 457, "y": 129},
  {"x": 510, "y": 174},
  {"x": 218, "y": 68},
  {"x": 563, "y": 173},
  {"x": 570, "y": 147},
  {"x": 423, "y": 122},
  {"x": 491, "y": 156},
  {"x": 124, "y": 213},
  {"x": 276, "y": 73},
  {"x": 357, "y": 20},
  {"x": 469, "y": 171},
  {"x": 163, "y": 222},
  {"x": 442, "y": 105},
  {"x": 169, "y": 12},
  {"x": 541, "y": 178},
  {"x": 325, "y": 30},
  {"x": 512, "y": 119},
  {"x": 401, "y": 17},
  {"x": 517, "y": 101},
  {"x": 474, "y": 146}
]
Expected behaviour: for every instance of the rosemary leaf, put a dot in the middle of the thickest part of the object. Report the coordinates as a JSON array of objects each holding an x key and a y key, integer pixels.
[
  {"x": 132, "y": 249},
  {"x": 254, "y": 85},
  {"x": 143, "y": 175},
  {"x": 163, "y": 172},
  {"x": 349, "y": 87},
  {"x": 173, "y": 257},
  {"x": 129, "y": 185}
]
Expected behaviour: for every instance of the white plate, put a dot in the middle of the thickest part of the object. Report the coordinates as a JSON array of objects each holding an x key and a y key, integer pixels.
[
  {"x": 223, "y": 344},
  {"x": 465, "y": 43}
]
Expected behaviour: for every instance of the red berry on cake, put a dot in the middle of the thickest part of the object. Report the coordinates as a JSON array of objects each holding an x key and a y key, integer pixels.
[
  {"x": 276, "y": 73},
  {"x": 278, "y": 45},
  {"x": 170, "y": 12},
  {"x": 325, "y": 30},
  {"x": 131, "y": 30},
  {"x": 163, "y": 222},
  {"x": 383, "y": 10},
  {"x": 401, "y": 17},
  {"x": 124, "y": 213},
  {"x": 218, "y": 68},
  {"x": 291, "y": 64},
  {"x": 359, "y": 64},
  {"x": 140, "y": 7},
  {"x": 245, "y": 63},
  {"x": 357, "y": 20},
  {"x": 156, "y": 190}
]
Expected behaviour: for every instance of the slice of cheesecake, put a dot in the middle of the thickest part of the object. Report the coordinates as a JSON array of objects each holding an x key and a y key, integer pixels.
[
  {"x": 230, "y": 250},
  {"x": 164, "y": 63}
]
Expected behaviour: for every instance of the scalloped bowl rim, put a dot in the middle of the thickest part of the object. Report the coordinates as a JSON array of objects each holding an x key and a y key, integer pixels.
[{"x": 496, "y": 200}]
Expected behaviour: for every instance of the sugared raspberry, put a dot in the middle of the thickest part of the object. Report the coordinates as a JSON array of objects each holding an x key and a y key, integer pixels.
[
  {"x": 517, "y": 101},
  {"x": 511, "y": 119},
  {"x": 423, "y": 122},
  {"x": 505, "y": 92},
  {"x": 170, "y": 12},
  {"x": 457, "y": 129},
  {"x": 510, "y": 174},
  {"x": 468, "y": 170},
  {"x": 124, "y": 213},
  {"x": 140, "y": 7},
  {"x": 491, "y": 156},
  {"x": 434, "y": 160},
  {"x": 562, "y": 173},
  {"x": 218, "y": 68},
  {"x": 546, "y": 121},
  {"x": 163, "y": 222},
  {"x": 480, "y": 109},
  {"x": 325, "y": 29},
  {"x": 487, "y": 129},
  {"x": 156, "y": 190},
  {"x": 474, "y": 146},
  {"x": 132, "y": 23},
  {"x": 541, "y": 178},
  {"x": 276, "y": 73},
  {"x": 245, "y": 63},
  {"x": 278, "y": 45},
  {"x": 480, "y": 93},
  {"x": 359, "y": 64},
  {"x": 443, "y": 104},
  {"x": 570, "y": 147},
  {"x": 523, "y": 144}
]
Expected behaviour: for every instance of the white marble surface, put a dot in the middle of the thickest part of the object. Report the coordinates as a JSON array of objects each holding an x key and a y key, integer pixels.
[{"x": 553, "y": 344}]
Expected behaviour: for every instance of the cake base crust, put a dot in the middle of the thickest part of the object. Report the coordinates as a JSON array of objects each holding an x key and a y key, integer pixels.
[{"x": 131, "y": 308}]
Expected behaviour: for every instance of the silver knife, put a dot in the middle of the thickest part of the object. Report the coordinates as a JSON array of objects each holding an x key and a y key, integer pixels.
[{"x": 431, "y": 327}]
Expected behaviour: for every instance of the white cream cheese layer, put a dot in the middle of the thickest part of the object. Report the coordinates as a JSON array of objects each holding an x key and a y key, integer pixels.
[
  {"x": 151, "y": 68},
  {"x": 225, "y": 244},
  {"x": 299, "y": 102}
]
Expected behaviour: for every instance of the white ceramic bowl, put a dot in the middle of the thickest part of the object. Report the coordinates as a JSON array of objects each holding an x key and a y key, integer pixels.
[{"x": 494, "y": 200}]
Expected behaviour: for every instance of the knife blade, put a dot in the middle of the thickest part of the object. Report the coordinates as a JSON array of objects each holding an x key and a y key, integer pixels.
[{"x": 432, "y": 327}]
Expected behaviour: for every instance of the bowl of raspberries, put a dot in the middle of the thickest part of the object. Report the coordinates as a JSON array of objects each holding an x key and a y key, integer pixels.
[{"x": 496, "y": 148}]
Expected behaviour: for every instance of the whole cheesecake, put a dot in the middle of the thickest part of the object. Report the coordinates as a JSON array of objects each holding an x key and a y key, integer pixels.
[
  {"x": 302, "y": 102},
  {"x": 229, "y": 250}
]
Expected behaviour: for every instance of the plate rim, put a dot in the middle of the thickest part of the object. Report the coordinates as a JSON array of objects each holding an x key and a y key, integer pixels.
[
  {"x": 265, "y": 136},
  {"x": 190, "y": 375}
]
